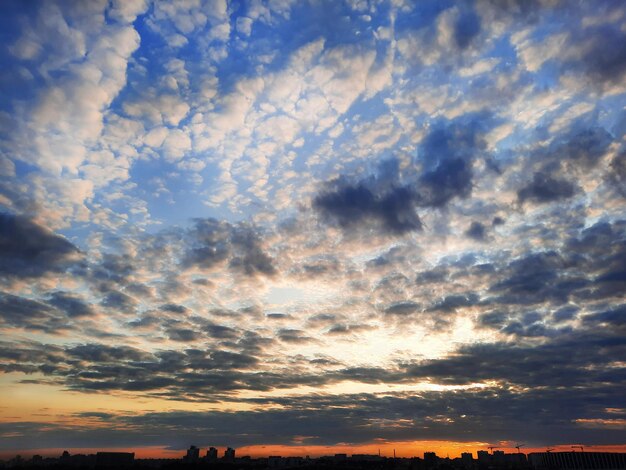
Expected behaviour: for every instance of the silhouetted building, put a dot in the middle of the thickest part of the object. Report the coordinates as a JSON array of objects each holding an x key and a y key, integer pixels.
[
  {"x": 516, "y": 460},
  {"x": 274, "y": 461},
  {"x": 366, "y": 457},
  {"x": 193, "y": 454},
  {"x": 211, "y": 454},
  {"x": 578, "y": 460},
  {"x": 483, "y": 457},
  {"x": 430, "y": 459},
  {"x": 114, "y": 459},
  {"x": 229, "y": 454},
  {"x": 467, "y": 459}
]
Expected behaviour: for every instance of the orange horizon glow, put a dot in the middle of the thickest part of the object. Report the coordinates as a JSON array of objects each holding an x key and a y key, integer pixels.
[{"x": 403, "y": 449}]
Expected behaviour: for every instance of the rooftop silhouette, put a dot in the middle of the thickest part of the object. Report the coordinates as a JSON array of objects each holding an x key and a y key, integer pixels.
[{"x": 496, "y": 460}]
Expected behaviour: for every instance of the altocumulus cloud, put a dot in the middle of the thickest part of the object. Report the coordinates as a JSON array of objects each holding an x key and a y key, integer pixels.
[{"x": 220, "y": 204}]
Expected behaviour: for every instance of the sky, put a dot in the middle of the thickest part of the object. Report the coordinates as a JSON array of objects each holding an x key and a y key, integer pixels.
[{"x": 299, "y": 226}]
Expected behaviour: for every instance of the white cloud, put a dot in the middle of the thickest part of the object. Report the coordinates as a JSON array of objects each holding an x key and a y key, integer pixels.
[
  {"x": 158, "y": 107},
  {"x": 244, "y": 25},
  {"x": 533, "y": 54},
  {"x": 479, "y": 67},
  {"x": 127, "y": 10},
  {"x": 176, "y": 144},
  {"x": 7, "y": 167},
  {"x": 156, "y": 136},
  {"x": 84, "y": 68}
]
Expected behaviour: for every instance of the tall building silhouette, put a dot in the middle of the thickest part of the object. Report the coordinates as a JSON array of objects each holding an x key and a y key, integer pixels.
[
  {"x": 430, "y": 459},
  {"x": 483, "y": 456},
  {"x": 211, "y": 454},
  {"x": 193, "y": 454},
  {"x": 229, "y": 454}
]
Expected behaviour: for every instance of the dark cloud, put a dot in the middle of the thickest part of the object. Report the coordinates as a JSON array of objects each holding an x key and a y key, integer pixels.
[
  {"x": 321, "y": 265},
  {"x": 184, "y": 335},
  {"x": 614, "y": 318},
  {"x": 174, "y": 308},
  {"x": 220, "y": 331},
  {"x": 447, "y": 154},
  {"x": 393, "y": 256},
  {"x": 344, "y": 329},
  {"x": 617, "y": 173},
  {"x": 436, "y": 275},
  {"x": 119, "y": 302},
  {"x": 531, "y": 279},
  {"x": 569, "y": 157},
  {"x": 402, "y": 308},
  {"x": 278, "y": 316},
  {"x": 545, "y": 188},
  {"x": 248, "y": 254},
  {"x": 211, "y": 242},
  {"x": 485, "y": 415},
  {"x": 570, "y": 358},
  {"x": 565, "y": 313},
  {"x": 102, "y": 353},
  {"x": 322, "y": 318},
  {"x": 476, "y": 231},
  {"x": 452, "y": 302},
  {"x": 292, "y": 335},
  {"x": 351, "y": 204},
  {"x": 603, "y": 54},
  {"x": 585, "y": 147},
  {"x": 30, "y": 250},
  {"x": 451, "y": 178},
  {"x": 72, "y": 305},
  {"x": 495, "y": 319},
  {"x": 20, "y": 312},
  {"x": 389, "y": 198}
]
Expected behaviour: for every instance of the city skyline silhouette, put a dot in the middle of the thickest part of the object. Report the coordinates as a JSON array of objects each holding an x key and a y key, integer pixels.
[{"x": 312, "y": 227}]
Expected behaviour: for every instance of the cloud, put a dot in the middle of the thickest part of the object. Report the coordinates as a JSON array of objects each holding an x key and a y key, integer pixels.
[
  {"x": 402, "y": 308},
  {"x": 72, "y": 305},
  {"x": 20, "y": 312},
  {"x": 617, "y": 173},
  {"x": 476, "y": 231},
  {"x": 119, "y": 302},
  {"x": 211, "y": 242},
  {"x": 392, "y": 209},
  {"x": 30, "y": 250},
  {"x": 453, "y": 302},
  {"x": 585, "y": 147},
  {"x": 448, "y": 152},
  {"x": 545, "y": 188},
  {"x": 249, "y": 255},
  {"x": 603, "y": 65},
  {"x": 389, "y": 198}
]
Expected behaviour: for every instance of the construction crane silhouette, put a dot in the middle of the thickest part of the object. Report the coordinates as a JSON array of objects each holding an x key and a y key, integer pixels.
[
  {"x": 578, "y": 447},
  {"x": 518, "y": 446},
  {"x": 491, "y": 448}
]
